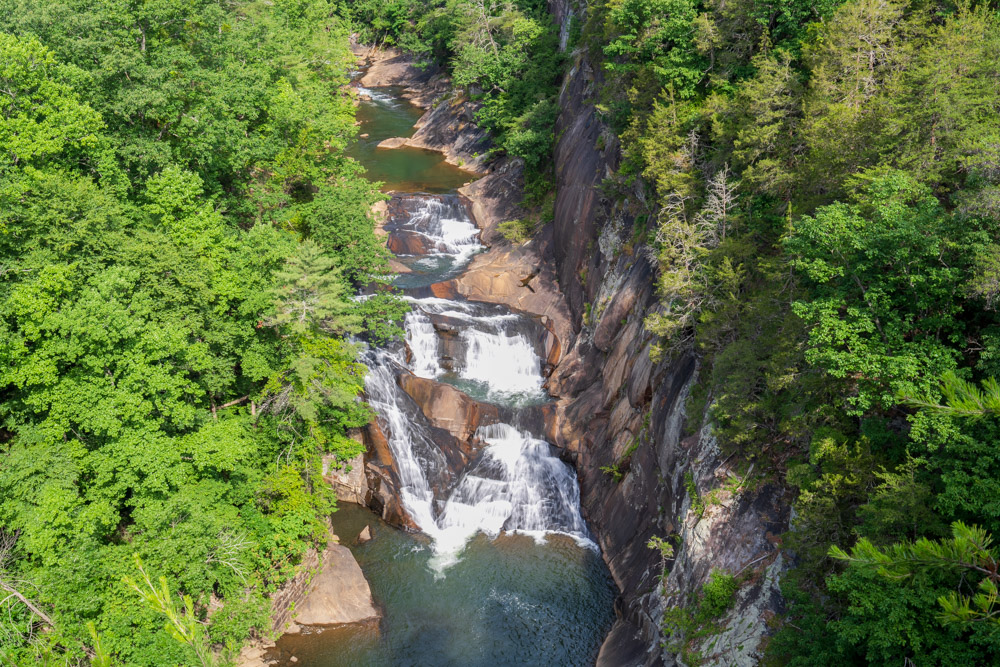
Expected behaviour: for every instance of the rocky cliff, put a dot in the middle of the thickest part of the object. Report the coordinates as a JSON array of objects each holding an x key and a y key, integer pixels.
[{"x": 646, "y": 469}]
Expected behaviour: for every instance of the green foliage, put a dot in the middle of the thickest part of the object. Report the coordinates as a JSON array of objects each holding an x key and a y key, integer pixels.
[
  {"x": 884, "y": 276},
  {"x": 962, "y": 398},
  {"x": 517, "y": 231},
  {"x": 659, "y": 35},
  {"x": 180, "y": 232},
  {"x": 822, "y": 182},
  {"x": 686, "y": 626},
  {"x": 181, "y": 623},
  {"x": 969, "y": 550},
  {"x": 697, "y": 502},
  {"x": 717, "y": 595}
]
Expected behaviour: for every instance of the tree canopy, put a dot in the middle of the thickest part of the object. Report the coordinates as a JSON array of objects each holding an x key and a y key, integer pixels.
[{"x": 180, "y": 231}]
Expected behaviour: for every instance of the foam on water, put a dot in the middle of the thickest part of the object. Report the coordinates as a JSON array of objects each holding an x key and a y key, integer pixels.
[{"x": 514, "y": 483}]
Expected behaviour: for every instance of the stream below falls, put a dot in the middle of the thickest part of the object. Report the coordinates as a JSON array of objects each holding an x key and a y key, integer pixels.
[{"x": 503, "y": 570}]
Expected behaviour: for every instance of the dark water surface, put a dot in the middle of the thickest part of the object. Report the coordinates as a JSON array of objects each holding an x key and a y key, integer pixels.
[
  {"x": 384, "y": 115},
  {"x": 508, "y": 601}
]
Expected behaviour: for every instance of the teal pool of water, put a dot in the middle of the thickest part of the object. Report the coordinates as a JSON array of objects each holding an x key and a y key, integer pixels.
[
  {"x": 508, "y": 601},
  {"x": 481, "y": 391},
  {"x": 384, "y": 114},
  {"x": 428, "y": 269}
]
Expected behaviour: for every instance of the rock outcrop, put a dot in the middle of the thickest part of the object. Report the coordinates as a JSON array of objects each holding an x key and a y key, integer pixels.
[
  {"x": 339, "y": 593},
  {"x": 448, "y": 408},
  {"x": 620, "y": 416},
  {"x": 622, "y": 412}
]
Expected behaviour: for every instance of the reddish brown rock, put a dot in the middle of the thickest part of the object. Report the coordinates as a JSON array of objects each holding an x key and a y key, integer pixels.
[
  {"x": 448, "y": 408},
  {"x": 340, "y": 593},
  {"x": 409, "y": 243}
]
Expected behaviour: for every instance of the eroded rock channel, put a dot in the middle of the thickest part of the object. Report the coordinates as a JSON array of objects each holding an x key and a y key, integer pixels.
[{"x": 479, "y": 552}]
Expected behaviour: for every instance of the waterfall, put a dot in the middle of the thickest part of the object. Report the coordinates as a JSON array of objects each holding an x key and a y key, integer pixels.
[
  {"x": 417, "y": 456},
  {"x": 507, "y": 363},
  {"x": 423, "y": 343},
  {"x": 496, "y": 351},
  {"x": 513, "y": 483},
  {"x": 444, "y": 222},
  {"x": 447, "y": 238}
]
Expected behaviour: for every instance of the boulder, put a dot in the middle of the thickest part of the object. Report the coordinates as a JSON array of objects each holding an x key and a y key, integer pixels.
[
  {"x": 365, "y": 535},
  {"x": 389, "y": 67},
  {"x": 340, "y": 593},
  {"x": 348, "y": 480},
  {"x": 394, "y": 142},
  {"x": 409, "y": 243}
]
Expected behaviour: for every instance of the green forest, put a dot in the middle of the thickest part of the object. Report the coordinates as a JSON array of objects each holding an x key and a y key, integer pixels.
[
  {"x": 820, "y": 183},
  {"x": 825, "y": 209},
  {"x": 181, "y": 234}
]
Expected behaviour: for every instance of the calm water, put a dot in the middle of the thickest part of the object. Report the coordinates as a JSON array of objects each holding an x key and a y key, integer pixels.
[
  {"x": 508, "y": 601},
  {"x": 384, "y": 115}
]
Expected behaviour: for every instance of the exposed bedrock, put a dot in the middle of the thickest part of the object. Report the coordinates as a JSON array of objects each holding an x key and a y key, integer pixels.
[
  {"x": 448, "y": 126},
  {"x": 619, "y": 417}
]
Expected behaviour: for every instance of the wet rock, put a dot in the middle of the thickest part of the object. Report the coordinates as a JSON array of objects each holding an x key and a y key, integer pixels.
[
  {"x": 382, "y": 479},
  {"x": 625, "y": 647},
  {"x": 384, "y": 497},
  {"x": 394, "y": 142},
  {"x": 409, "y": 243},
  {"x": 252, "y": 656},
  {"x": 495, "y": 277},
  {"x": 340, "y": 593},
  {"x": 448, "y": 408}
]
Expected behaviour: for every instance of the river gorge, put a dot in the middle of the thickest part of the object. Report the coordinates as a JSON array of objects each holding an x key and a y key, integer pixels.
[
  {"x": 503, "y": 569},
  {"x": 528, "y": 449}
]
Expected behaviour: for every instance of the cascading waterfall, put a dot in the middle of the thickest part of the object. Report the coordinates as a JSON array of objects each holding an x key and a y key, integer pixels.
[
  {"x": 514, "y": 483},
  {"x": 418, "y": 458},
  {"x": 507, "y": 363},
  {"x": 496, "y": 355},
  {"x": 422, "y": 340},
  {"x": 448, "y": 238},
  {"x": 470, "y": 589}
]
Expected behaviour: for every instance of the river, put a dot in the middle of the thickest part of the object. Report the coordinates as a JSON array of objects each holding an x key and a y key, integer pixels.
[{"x": 504, "y": 571}]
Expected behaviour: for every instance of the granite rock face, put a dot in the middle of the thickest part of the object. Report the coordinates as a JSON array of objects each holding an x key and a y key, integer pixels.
[
  {"x": 617, "y": 409},
  {"x": 620, "y": 410}
]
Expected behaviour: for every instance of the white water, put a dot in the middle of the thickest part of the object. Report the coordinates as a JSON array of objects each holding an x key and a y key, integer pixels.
[
  {"x": 496, "y": 355},
  {"x": 423, "y": 343},
  {"x": 378, "y": 96},
  {"x": 507, "y": 363},
  {"x": 417, "y": 455},
  {"x": 515, "y": 483},
  {"x": 448, "y": 229}
]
